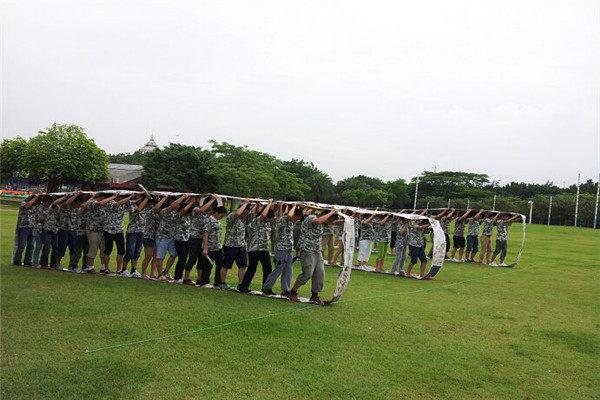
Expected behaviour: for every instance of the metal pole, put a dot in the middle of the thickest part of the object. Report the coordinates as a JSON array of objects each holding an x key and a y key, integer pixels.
[
  {"x": 494, "y": 205},
  {"x": 549, "y": 210},
  {"x": 530, "y": 210},
  {"x": 448, "y": 203},
  {"x": 597, "y": 196},
  {"x": 416, "y": 193},
  {"x": 427, "y": 206},
  {"x": 577, "y": 200},
  {"x": 468, "y": 203}
]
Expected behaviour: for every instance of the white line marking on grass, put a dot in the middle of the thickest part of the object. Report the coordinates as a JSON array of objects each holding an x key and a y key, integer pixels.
[{"x": 291, "y": 311}]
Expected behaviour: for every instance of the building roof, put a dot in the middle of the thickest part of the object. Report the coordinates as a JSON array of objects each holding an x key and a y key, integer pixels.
[
  {"x": 149, "y": 146},
  {"x": 120, "y": 173}
]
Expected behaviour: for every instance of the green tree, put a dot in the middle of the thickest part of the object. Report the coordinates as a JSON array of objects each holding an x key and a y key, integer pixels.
[
  {"x": 452, "y": 185},
  {"x": 180, "y": 167},
  {"x": 12, "y": 157},
  {"x": 321, "y": 188},
  {"x": 244, "y": 172},
  {"x": 135, "y": 158},
  {"x": 398, "y": 195},
  {"x": 64, "y": 154}
]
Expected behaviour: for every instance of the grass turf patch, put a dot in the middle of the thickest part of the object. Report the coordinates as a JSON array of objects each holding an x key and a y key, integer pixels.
[{"x": 475, "y": 332}]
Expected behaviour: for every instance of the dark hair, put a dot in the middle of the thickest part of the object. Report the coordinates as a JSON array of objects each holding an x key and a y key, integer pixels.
[
  {"x": 298, "y": 212},
  {"x": 271, "y": 213},
  {"x": 206, "y": 200},
  {"x": 220, "y": 210}
]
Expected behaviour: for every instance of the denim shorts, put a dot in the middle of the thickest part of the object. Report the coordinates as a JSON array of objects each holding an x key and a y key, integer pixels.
[
  {"x": 164, "y": 246},
  {"x": 416, "y": 254}
]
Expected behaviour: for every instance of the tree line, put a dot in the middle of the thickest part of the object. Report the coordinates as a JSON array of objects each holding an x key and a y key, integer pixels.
[{"x": 64, "y": 154}]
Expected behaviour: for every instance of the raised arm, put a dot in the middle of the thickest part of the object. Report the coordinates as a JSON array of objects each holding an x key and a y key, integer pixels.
[
  {"x": 369, "y": 219},
  {"x": 513, "y": 218},
  {"x": 107, "y": 200},
  {"x": 265, "y": 211},
  {"x": 159, "y": 205},
  {"x": 290, "y": 214},
  {"x": 86, "y": 204},
  {"x": 478, "y": 215},
  {"x": 175, "y": 205},
  {"x": 189, "y": 205},
  {"x": 240, "y": 211},
  {"x": 385, "y": 220},
  {"x": 71, "y": 199},
  {"x": 144, "y": 202},
  {"x": 31, "y": 202},
  {"x": 204, "y": 208},
  {"x": 441, "y": 214},
  {"x": 464, "y": 215},
  {"x": 324, "y": 218},
  {"x": 495, "y": 217},
  {"x": 125, "y": 200},
  {"x": 60, "y": 200}
]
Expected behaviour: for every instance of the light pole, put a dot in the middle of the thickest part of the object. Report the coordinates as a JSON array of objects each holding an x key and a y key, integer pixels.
[
  {"x": 597, "y": 196},
  {"x": 577, "y": 200},
  {"x": 549, "y": 210},
  {"x": 448, "y": 203},
  {"x": 468, "y": 203},
  {"x": 530, "y": 209},
  {"x": 416, "y": 194},
  {"x": 494, "y": 205}
]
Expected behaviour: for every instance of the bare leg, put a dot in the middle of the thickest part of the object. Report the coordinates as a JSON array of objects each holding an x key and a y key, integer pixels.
[
  {"x": 409, "y": 269},
  {"x": 423, "y": 266},
  {"x": 241, "y": 272},
  {"x": 119, "y": 263},
  {"x": 148, "y": 257}
]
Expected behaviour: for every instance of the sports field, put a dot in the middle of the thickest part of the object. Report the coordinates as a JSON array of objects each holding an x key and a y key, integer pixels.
[{"x": 476, "y": 332}]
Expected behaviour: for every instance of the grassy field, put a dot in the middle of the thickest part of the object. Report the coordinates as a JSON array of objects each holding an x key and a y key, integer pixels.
[{"x": 531, "y": 332}]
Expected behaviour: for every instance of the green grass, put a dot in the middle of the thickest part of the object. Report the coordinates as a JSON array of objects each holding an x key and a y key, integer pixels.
[{"x": 475, "y": 333}]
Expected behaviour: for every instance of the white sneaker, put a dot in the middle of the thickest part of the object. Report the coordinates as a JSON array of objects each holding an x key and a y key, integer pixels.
[
  {"x": 135, "y": 275},
  {"x": 503, "y": 265},
  {"x": 89, "y": 269},
  {"x": 493, "y": 264},
  {"x": 178, "y": 281},
  {"x": 125, "y": 274},
  {"x": 207, "y": 285},
  {"x": 163, "y": 278}
]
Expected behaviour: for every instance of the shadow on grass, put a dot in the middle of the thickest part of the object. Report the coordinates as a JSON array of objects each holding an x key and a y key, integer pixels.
[{"x": 581, "y": 342}]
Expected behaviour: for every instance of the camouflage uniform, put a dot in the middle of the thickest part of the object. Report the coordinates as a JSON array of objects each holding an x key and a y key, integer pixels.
[{"x": 311, "y": 258}]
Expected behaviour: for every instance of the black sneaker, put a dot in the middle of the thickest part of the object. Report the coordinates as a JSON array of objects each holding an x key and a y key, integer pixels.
[
  {"x": 268, "y": 292},
  {"x": 104, "y": 271},
  {"x": 242, "y": 290}
]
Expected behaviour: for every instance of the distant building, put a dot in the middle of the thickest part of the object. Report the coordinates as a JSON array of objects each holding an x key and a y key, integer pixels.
[
  {"x": 150, "y": 146},
  {"x": 124, "y": 176}
]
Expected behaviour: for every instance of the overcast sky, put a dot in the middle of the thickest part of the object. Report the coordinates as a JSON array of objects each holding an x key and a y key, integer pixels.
[{"x": 510, "y": 89}]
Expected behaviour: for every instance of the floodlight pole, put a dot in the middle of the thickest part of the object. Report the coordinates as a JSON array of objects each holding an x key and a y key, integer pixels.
[
  {"x": 549, "y": 210},
  {"x": 416, "y": 194},
  {"x": 577, "y": 200},
  {"x": 596, "y": 207},
  {"x": 494, "y": 205},
  {"x": 468, "y": 203},
  {"x": 448, "y": 203},
  {"x": 530, "y": 210}
]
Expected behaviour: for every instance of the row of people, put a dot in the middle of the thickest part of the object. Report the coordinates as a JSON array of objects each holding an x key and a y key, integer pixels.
[{"x": 187, "y": 229}]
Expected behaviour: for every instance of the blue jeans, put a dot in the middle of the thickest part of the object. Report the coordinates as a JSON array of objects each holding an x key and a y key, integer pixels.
[
  {"x": 49, "y": 248},
  {"x": 65, "y": 239},
  {"x": 23, "y": 241},
  {"x": 133, "y": 246},
  {"x": 283, "y": 267}
]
